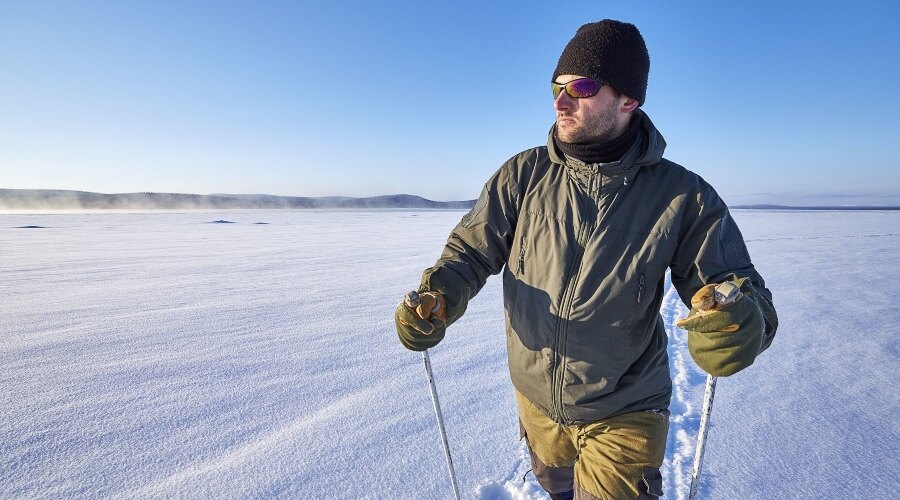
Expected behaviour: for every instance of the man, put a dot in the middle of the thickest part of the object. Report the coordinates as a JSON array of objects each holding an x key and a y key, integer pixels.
[{"x": 584, "y": 230}]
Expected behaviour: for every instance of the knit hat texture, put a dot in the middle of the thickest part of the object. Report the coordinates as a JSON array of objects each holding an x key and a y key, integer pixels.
[{"x": 611, "y": 51}]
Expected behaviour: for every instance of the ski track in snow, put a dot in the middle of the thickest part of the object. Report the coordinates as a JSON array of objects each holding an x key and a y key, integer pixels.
[
  {"x": 687, "y": 383},
  {"x": 519, "y": 484}
]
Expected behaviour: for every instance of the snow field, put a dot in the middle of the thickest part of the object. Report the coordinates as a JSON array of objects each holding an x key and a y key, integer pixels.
[{"x": 158, "y": 355}]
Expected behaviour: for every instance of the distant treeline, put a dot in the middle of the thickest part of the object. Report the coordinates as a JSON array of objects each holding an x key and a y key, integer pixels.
[{"x": 51, "y": 199}]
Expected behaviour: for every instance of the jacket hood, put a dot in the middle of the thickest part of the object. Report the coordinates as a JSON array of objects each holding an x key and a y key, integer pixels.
[{"x": 650, "y": 146}]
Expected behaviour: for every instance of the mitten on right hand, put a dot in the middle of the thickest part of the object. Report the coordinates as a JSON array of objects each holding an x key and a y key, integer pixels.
[
  {"x": 724, "y": 339},
  {"x": 421, "y": 325}
]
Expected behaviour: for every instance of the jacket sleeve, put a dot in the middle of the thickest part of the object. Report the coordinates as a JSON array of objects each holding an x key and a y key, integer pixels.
[
  {"x": 711, "y": 249},
  {"x": 479, "y": 245}
]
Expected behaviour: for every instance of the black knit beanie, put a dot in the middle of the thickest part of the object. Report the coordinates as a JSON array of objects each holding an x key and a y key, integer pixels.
[{"x": 610, "y": 51}]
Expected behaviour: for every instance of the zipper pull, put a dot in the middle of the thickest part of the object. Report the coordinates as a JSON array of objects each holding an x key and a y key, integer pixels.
[{"x": 522, "y": 257}]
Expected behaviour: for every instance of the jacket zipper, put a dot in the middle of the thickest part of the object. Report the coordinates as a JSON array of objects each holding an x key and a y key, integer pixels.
[
  {"x": 522, "y": 256},
  {"x": 640, "y": 295},
  {"x": 557, "y": 381},
  {"x": 558, "y": 376}
]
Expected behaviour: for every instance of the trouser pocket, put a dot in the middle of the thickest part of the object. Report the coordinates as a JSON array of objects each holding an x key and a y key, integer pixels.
[{"x": 650, "y": 486}]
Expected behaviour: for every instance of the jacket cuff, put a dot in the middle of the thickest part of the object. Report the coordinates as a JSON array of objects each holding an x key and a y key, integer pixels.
[{"x": 451, "y": 285}]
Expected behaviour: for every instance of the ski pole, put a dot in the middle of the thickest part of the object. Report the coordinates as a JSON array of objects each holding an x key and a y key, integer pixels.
[
  {"x": 440, "y": 420},
  {"x": 701, "y": 436},
  {"x": 412, "y": 301}
]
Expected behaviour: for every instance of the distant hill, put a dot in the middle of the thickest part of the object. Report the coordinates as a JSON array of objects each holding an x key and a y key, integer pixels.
[{"x": 51, "y": 199}]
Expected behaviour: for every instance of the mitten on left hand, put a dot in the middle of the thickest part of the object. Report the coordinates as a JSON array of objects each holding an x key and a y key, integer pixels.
[{"x": 724, "y": 338}]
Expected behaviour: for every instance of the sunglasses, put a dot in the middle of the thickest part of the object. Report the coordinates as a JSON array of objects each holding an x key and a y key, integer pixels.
[{"x": 578, "y": 89}]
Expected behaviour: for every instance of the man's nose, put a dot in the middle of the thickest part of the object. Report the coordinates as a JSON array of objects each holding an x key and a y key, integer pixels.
[{"x": 563, "y": 102}]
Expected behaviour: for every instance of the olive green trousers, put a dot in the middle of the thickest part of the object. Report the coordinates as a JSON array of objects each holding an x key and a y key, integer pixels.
[{"x": 612, "y": 459}]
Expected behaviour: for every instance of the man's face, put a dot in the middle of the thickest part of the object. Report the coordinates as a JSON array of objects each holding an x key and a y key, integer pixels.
[{"x": 588, "y": 119}]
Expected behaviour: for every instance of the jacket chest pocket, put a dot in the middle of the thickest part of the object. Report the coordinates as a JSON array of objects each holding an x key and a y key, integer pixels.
[
  {"x": 540, "y": 251},
  {"x": 640, "y": 295},
  {"x": 624, "y": 308},
  {"x": 616, "y": 285}
]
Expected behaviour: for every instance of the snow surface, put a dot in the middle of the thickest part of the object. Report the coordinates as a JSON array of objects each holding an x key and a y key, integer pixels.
[{"x": 160, "y": 355}]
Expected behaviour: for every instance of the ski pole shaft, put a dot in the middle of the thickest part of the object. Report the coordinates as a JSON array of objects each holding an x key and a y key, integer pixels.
[
  {"x": 701, "y": 435},
  {"x": 440, "y": 420}
]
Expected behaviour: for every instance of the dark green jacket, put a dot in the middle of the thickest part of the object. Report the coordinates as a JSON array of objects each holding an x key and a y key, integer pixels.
[{"x": 584, "y": 250}]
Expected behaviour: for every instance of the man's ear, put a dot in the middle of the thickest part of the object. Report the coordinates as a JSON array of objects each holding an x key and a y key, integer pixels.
[{"x": 628, "y": 105}]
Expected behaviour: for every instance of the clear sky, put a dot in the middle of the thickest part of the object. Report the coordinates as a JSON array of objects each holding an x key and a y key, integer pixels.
[{"x": 785, "y": 102}]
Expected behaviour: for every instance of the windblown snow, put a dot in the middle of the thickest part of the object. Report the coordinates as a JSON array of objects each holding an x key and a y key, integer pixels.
[{"x": 157, "y": 355}]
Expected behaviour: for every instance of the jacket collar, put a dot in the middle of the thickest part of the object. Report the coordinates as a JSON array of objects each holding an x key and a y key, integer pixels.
[{"x": 647, "y": 149}]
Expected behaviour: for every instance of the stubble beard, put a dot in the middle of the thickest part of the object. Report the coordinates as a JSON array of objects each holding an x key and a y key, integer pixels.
[{"x": 600, "y": 129}]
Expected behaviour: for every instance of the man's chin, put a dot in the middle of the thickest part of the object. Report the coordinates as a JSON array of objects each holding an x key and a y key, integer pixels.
[{"x": 567, "y": 134}]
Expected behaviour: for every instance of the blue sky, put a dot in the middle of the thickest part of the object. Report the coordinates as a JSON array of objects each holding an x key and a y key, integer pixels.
[{"x": 785, "y": 102}]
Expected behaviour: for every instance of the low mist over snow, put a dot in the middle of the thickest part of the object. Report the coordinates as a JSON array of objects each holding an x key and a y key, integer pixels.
[
  {"x": 50, "y": 199},
  {"x": 252, "y": 354}
]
